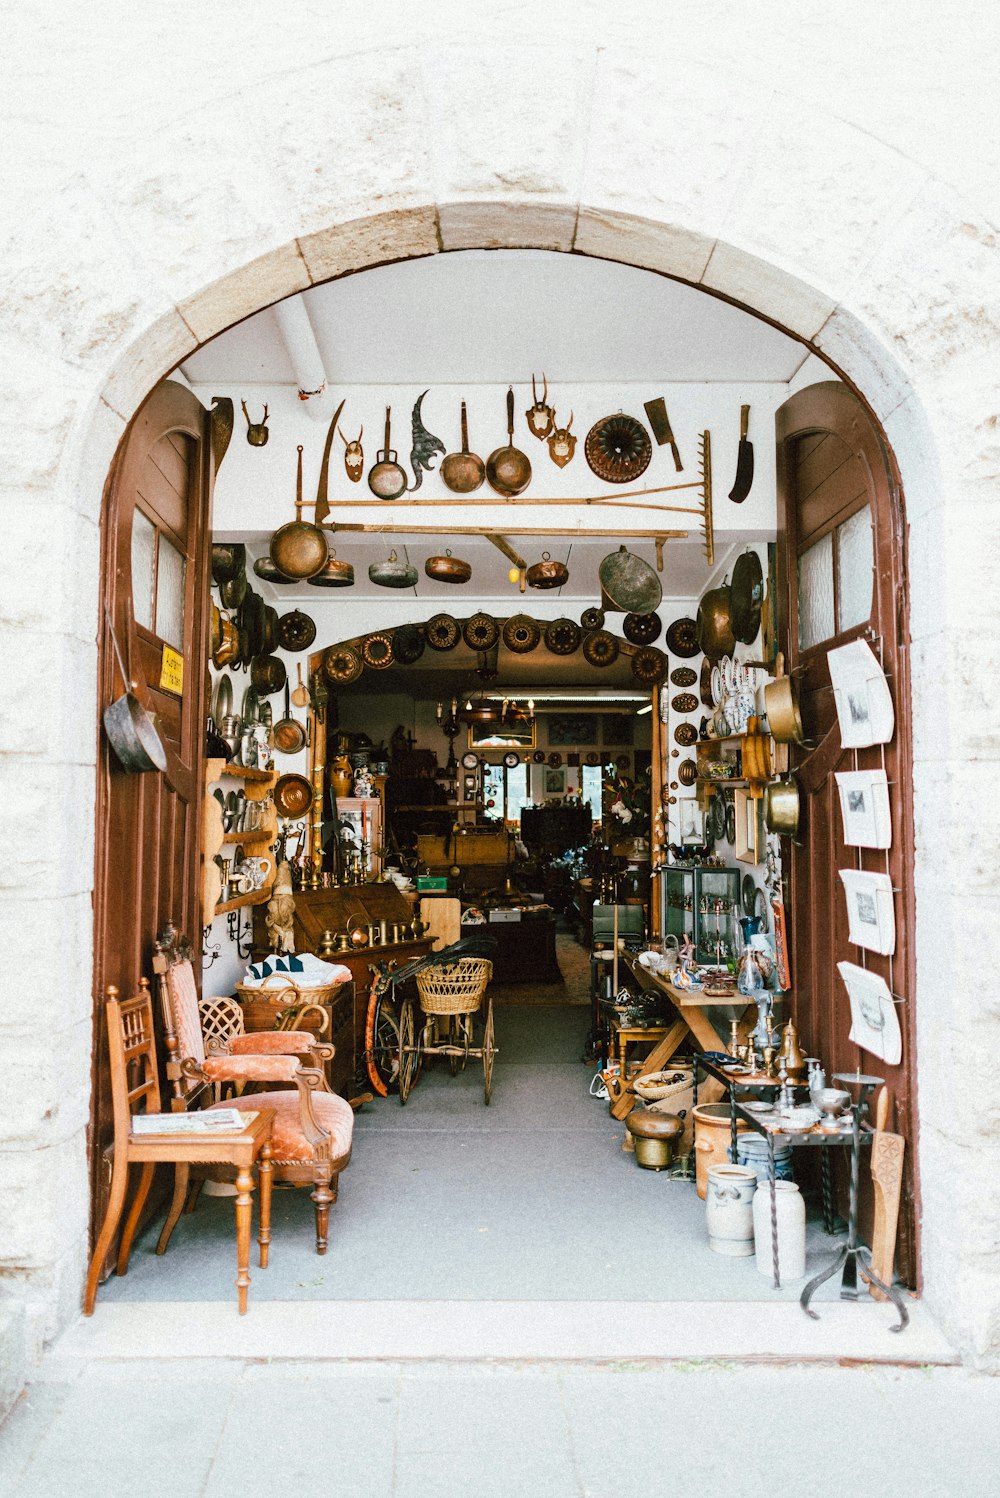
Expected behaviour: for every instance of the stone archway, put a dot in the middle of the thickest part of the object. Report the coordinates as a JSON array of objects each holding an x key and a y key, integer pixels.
[{"x": 101, "y": 313}]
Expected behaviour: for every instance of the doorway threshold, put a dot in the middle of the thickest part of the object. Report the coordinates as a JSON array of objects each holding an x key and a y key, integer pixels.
[{"x": 507, "y": 1331}]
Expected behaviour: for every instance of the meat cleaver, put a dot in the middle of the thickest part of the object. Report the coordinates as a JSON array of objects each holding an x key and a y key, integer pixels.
[{"x": 744, "y": 461}]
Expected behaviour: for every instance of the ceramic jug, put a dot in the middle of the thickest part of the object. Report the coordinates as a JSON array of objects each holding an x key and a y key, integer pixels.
[{"x": 791, "y": 1218}]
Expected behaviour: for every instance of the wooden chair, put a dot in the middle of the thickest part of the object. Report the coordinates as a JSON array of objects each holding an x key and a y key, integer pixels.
[
  {"x": 135, "y": 1082},
  {"x": 313, "y": 1127}
]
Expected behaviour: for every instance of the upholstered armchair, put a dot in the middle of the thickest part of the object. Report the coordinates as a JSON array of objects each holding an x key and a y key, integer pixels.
[{"x": 313, "y": 1127}]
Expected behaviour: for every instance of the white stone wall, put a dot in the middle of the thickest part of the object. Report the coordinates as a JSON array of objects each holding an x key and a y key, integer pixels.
[{"x": 168, "y": 170}]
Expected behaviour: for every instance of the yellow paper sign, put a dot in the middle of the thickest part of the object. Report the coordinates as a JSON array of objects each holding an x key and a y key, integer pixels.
[{"x": 172, "y": 672}]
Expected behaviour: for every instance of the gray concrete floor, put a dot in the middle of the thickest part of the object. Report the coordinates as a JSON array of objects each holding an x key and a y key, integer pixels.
[
  {"x": 447, "y": 1199},
  {"x": 236, "y": 1429}
]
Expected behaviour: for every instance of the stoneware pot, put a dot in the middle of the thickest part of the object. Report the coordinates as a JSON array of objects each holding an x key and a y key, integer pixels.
[
  {"x": 729, "y": 1210},
  {"x": 791, "y": 1216}
]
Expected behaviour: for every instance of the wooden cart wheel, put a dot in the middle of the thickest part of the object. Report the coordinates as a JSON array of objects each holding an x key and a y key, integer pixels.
[
  {"x": 466, "y": 1037},
  {"x": 489, "y": 1052},
  {"x": 407, "y": 1050}
]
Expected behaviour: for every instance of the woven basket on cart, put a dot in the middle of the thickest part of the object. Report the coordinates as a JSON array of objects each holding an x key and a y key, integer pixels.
[
  {"x": 288, "y": 1007},
  {"x": 457, "y": 988}
]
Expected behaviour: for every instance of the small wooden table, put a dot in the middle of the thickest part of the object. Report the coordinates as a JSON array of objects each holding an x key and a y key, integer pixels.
[{"x": 624, "y": 1035}]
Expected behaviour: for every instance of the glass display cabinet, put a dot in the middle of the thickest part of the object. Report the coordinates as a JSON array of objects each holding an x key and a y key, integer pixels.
[{"x": 703, "y": 903}]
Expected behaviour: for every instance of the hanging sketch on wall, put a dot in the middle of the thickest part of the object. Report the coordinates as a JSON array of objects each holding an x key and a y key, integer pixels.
[
  {"x": 869, "y": 910},
  {"x": 864, "y": 805},
  {"x": 874, "y": 1025},
  {"x": 864, "y": 703}
]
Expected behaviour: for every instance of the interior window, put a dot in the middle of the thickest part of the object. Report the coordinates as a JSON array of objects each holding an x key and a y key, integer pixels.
[
  {"x": 835, "y": 580},
  {"x": 159, "y": 573},
  {"x": 593, "y": 776},
  {"x": 143, "y": 568},
  {"x": 170, "y": 573}
]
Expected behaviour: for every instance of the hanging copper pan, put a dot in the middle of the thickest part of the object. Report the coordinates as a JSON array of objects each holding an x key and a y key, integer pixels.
[
  {"x": 299, "y": 548},
  {"x": 333, "y": 574},
  {"x": 629, "y": 584},
  {"x": 508, "y": 470},
  {"x": 547, "y": 573},
  {"x": 448, "y": 569},
  {"x": 233, "y": 591},
  {"x": 715, "y": 623},
  {"x": 269, "y": 573},
  {"x": 387, "y": 478},
  {"x": 229, "y": 559},
  {"x": 267, "y": 674},
  {"x": 463, "y": 472},
  {"x": 292, "y": 796},
  {"x": 746, "y": 597}
]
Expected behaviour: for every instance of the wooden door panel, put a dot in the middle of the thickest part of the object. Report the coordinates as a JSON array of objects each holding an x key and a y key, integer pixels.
[
  {"x": 147, "y": 857},
  {"x": 831, "y": 462}
]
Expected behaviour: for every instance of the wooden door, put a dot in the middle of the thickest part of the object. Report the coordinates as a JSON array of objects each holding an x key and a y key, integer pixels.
[
  {"x": 841, "y": 559},
  {"x": 155, "y": 593}
]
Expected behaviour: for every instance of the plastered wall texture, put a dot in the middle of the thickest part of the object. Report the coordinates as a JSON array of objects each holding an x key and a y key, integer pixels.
[{"x": 837, "y": 172}]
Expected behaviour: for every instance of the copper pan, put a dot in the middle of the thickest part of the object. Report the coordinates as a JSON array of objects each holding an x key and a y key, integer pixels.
[
  {"x": 448, "y": 569},
  {"x": 508, "y": 470},
  {"x": 547, "y": 573},
  {"x": 299, "y": 548},
  {"x": 781, "y": 704},
  {"x": 715, "y": 623}
]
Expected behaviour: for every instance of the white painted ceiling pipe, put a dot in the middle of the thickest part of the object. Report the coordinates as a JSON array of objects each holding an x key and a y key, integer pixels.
[{"x": 303, "y": 351}]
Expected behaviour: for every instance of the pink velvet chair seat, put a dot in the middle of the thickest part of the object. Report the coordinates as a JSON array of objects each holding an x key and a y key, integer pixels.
[{"x": 289, "y": 1145}]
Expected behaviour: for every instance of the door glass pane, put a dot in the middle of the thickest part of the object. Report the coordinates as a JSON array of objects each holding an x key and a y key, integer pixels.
[
  {"x": 855, "y": 564},
  {"x": 517, "y": 792},
  {"x": 143, "y": 552},
  {"x": 170, "y": 594},
  {"x": 593, "y": 782},
  {"x": 816, "y": 621}
]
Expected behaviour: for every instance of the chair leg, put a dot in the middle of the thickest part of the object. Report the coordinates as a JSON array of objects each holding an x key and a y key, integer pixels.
[
  {"x": 265, "y": 1174},
  {"x": 182, "y": 1172},
  {"x": 135, "y": 1212},
  {"x": 116, "y": 1201},
  {"x": 323, "y": 1199},
  {"x": 244, "y": 1215},
  {"x": 194, "y": 1194}
]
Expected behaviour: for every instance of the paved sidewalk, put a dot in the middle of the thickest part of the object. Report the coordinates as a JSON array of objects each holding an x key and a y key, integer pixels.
[{"x": 235, "y": 1429}]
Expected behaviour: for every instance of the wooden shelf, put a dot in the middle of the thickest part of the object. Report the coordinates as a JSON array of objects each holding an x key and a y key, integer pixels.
[
  {"x": 722, "y": 780},
  {"x": 221, "y": 769},
  {"x": 259, "y": 835},
  {"x": 256, "y": 897}
]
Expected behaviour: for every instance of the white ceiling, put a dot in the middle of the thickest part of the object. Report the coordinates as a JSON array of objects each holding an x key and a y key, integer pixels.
[{"x": 491, "y": 316}]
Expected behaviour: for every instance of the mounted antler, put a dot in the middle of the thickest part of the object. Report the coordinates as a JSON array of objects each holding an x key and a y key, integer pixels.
[
  {"x": 540, "y": 416},
  {"x": 561, "y": 445},
  {"x": 257, "y": 432},
  {"x": 354, "y": 457}
]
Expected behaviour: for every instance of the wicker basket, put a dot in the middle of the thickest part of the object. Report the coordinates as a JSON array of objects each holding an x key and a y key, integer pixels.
[
  {"x": 457, "y": 988},
  {"x": 276, "y": 1008},
  {"x": 654, "y": 1087}
]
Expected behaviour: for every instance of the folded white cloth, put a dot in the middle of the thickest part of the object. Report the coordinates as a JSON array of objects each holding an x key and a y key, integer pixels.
[{"x": 302, "y": 968}]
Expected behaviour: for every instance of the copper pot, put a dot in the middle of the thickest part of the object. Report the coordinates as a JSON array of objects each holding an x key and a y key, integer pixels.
[
  {"x": 299, "y": 548},
  {"x": 267, "y": 674},
  {"x": 547, "y": 574},
  {"x": 229, "y": 560},
  {"x": 448, "y": 569},
  {"x": 715, "y": 623},
  {"x": 781, "y": 704},
  {"x": 782, "y": 807},
  {"x": 228, "y": 648},
  {"x": 333, "y": 574}
]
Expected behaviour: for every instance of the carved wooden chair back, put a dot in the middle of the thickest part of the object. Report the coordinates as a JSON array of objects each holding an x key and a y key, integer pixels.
[
  {"x": 221, "y": 1021},
  {"x": 132, "y": 1050},
  {"x": 182, "y": 1032}
]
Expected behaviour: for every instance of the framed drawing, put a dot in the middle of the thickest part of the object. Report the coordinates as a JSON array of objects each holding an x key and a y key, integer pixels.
[
  {"x": 554, "y": 783},
  {"x": 750, "y": 842},
  {"x": 869, "y": 910},
  {"x": 507, "y": 736},
  {"x": 691, "y": 821},
  {"x": 572, "y": 728},
  {"x": 874, "y": 1022},
  {"x": 864, "y": 702},
  {"x": 864, "y": 806}
]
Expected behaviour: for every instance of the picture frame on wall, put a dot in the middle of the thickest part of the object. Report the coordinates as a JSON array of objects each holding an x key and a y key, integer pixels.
[
  {"x": 554, "y": 782},
  {"x": 617, "y": 728},
  {"x": 691, "y": 821},
  {"x": 511, "y": 736},
  {"x": 864, "y": 806},
  {"x": 577, "y": 729},
  {"x": 870, "y": 914},
  {"x": 874, "y": 1021},
  {"x": 864, "y": 702},
  {"x": 751, "y": 834}
]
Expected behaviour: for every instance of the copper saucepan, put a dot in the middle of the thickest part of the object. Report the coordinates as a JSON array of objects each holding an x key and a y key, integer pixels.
[
  {"x": 782, "y": 807},
  {"x": 387, "y": 478},
  {"x": 299, "y": 548},
  {"x": 288, "y": 736}
]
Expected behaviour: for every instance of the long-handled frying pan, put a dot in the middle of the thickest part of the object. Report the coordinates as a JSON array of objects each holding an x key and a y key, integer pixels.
[
  {"x": 508, "y": 470},
  {"x": 463, "y": 472}
]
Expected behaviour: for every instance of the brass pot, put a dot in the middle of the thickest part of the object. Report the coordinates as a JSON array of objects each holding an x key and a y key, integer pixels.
[
  {"x": 228, "y": 648},
  {"x": 268, "y": 674},
  {"x": 333, "y": 574},
  {"x": 229, "y": 560},
  {"x": 782, "y": 806},
  {"x": 715, "y": 623},
  {"x": 781, "y": 705}
]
